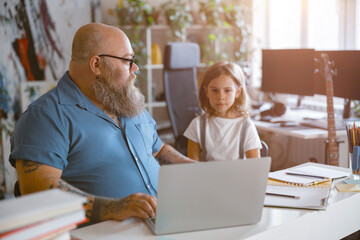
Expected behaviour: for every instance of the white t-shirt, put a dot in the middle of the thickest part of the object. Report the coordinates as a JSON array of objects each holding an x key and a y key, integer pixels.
[{"x": 223, "y": 137}]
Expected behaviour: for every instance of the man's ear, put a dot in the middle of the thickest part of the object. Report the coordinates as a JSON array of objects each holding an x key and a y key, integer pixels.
[{"x": 94, "y": 64}]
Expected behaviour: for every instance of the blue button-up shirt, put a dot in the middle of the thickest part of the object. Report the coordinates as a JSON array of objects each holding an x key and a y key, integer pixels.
[{"x": 64, "y": 129}]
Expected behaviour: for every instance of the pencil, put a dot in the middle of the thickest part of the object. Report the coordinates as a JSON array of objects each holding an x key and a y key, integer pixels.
[
  {"x": 305, "y": 175},
  {"x": 282, "y": 195},
  {"x": 353, "y": 135},
  {"x": 348, "y": 137}
]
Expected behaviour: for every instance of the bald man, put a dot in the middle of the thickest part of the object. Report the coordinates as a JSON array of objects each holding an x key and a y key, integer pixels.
[{"x": 91, "y": 135}]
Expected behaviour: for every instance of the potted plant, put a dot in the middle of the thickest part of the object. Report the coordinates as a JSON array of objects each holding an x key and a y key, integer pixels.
[
  {"x": 135, "y": 15},
  {"x": 134, "y": 12},
  {"x": 179, "y": 17},
  {"x": 226, "y": 23}
]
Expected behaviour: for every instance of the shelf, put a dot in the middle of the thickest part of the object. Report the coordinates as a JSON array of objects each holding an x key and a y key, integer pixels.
[
  {"x": 154, "y": 66},
  {"x": 164, "y": 126},
  {"x": 153, "y": 71},
  {"x": 166, "y": 27},
  {"x": 157, "y": 104},
  {"x": 161, "y": 66}
]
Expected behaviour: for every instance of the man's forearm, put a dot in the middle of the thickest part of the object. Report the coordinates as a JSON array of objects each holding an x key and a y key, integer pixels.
[
  {"x": 168, "y": 155},
  {"x": 97, "y": 208},
  {"x": 34, "y": 177}
]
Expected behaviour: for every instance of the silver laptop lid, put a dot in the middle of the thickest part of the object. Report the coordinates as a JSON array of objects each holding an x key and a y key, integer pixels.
[{"x": 211, "y": 194}]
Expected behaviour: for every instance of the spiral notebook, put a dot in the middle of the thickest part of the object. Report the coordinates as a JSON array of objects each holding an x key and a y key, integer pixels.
[{"x": 281, "y": 194}]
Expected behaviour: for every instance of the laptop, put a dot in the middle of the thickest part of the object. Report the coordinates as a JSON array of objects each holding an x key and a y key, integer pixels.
[{"x": 210, "y": 195}]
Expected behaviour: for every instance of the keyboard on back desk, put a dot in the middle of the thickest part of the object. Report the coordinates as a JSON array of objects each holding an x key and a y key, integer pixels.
[{"x": 322, "y": 124}]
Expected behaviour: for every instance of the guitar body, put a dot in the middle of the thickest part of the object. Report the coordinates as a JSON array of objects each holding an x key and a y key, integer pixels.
[{"x": 332, "y": 149}]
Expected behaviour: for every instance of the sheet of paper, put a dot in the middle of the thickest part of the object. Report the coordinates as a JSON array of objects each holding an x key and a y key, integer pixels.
[
  {"x": 308, "y": 197},
  {"x": 282, "y": 176},
  {"x": 320, "y": 171}
]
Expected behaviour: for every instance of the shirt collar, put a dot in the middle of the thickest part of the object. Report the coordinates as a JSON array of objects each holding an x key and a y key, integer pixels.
[{"x": 70, "y": 94}]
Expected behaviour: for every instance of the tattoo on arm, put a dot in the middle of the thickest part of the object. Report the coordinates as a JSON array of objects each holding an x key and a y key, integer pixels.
[
  {"x": 162, "y": 160},
  {"x": 169, "y": 155},
  {"x": 67, "y": 187},
  {"x": 114, "y": 207},
  {"x": 91, "y": 199},
  {"x": 30, "y": 166}
]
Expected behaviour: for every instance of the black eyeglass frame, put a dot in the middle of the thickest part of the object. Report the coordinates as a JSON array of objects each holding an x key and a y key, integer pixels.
[{"x": 121, "y": 58}]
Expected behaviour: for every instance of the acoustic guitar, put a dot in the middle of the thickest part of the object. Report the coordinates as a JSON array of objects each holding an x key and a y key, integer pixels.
[{"x": 332, "y": 148}]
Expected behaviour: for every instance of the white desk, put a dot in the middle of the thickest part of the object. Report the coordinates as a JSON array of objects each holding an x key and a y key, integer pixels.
[
  {"x": 298, "y": 131},
  {"x": 290, "y": 146},
  {"x": 340, "y": 219}
]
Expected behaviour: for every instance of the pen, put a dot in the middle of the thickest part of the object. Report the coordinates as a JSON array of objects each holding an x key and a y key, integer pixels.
[
  {"x": 305, "y": 175},
  {"x": 283, "y": 195},
  {"x": 349, "y": 137}
]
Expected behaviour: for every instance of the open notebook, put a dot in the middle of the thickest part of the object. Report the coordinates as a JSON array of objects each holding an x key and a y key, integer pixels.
[
  {"x": 297, "y": 196},
  {"x": 316, "y": 173}
]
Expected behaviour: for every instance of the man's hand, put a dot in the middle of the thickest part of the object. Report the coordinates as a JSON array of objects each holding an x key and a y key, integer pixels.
[{"x": 136, "y": 205}]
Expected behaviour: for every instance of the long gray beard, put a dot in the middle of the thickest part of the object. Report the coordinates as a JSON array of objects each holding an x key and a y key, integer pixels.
[{"x": 126, "y": 101}]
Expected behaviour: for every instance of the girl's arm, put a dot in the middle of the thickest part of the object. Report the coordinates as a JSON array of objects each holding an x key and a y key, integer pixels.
[
  {"x": 193, "y": 150},
  {"x": 253, "y": 153}
]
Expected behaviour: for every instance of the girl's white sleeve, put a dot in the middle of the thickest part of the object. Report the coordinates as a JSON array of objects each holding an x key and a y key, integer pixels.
[
  {"x": 252, "y": 139},
  {"x": 193, "y": 130}
]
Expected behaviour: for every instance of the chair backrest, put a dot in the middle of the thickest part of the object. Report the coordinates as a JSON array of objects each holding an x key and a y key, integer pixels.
[
  {"x": 17, "y": 192},
  {"x": 264, "y": 152},
  {"x": 181, "y": 92}
]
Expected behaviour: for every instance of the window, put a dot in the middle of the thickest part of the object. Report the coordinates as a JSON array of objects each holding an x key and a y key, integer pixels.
[
  {"x": 319, "y": 24},
  {"x": 284, "y": 24},
  {"x": 323, "y": 25}
]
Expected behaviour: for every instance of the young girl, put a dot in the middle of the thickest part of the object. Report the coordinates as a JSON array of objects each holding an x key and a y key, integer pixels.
[{"x": 225, "y": 131}]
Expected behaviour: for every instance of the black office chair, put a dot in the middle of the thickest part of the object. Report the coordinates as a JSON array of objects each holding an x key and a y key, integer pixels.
[
  {"x": 180, "y": 62},
  {"x": 17, "y": 192}
]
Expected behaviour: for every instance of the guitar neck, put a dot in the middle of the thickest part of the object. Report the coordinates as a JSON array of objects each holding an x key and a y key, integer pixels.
[{"x": 333, "y": 153}]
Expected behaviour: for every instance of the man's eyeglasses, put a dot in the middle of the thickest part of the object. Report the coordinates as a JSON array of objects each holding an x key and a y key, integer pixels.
[{"x": 131, "y": 60}]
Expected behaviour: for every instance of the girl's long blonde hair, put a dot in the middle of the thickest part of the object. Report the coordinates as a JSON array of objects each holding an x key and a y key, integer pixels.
[{"x": 233, "y": 71}]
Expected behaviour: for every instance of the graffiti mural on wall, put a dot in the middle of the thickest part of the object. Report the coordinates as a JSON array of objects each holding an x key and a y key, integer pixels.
[
  {"x": 38, "y": 44},
  {"x": 35, "y": 42}
]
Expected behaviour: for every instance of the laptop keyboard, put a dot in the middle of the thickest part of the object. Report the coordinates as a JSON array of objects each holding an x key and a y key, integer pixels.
[{"x": 153, "y": 220}]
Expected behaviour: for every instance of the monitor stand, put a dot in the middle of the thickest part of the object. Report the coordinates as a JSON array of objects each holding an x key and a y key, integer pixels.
[
  {"x": 346, "y": 111},
  {"x": 298, "y": 103}
]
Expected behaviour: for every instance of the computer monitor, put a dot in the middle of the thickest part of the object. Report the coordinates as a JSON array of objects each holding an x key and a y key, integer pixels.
[
  {"x": 346, "y": 83},
  {"x": 289, "y": 71}
]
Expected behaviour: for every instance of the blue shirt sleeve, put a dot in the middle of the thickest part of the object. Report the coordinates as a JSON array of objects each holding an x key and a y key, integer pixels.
[{"x": 38, "y": 137}]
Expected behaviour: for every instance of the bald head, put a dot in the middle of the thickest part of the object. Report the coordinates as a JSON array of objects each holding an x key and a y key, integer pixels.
[{"x": 96, "y": 38}]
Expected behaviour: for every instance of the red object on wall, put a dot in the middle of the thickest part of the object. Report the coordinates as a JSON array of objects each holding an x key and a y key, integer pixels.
[{"x": 23, "y": 45}]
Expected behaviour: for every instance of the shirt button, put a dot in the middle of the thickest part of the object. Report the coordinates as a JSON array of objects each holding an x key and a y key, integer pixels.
[
  {"x": 136, "y": 159},
  {"x": 148, "y": 186}
]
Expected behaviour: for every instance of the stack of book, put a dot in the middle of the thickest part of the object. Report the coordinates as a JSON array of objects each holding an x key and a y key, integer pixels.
[{"x": 49, "y": 214}]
